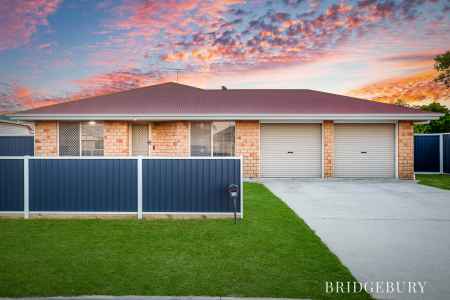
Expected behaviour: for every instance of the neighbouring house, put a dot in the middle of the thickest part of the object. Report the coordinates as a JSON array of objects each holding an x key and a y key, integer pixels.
[
  {"x": 16, "y": 128},
  {"x": 279, "y": 133},
  {"x": 16, "y": 138}
]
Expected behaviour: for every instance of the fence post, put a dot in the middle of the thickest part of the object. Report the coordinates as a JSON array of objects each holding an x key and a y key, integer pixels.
[
  {"x": 441, "y": 153},
  {"x": 241, "y": 162},
  {"x": 26, "y": 190},
  {"x": 139, "y": 187}
]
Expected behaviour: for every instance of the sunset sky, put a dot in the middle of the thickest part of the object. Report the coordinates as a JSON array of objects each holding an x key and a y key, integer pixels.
[{"x": 54, "y": 50}]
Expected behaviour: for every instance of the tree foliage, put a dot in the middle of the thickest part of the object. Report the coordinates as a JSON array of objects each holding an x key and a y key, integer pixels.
[
  {"x": 442, "y": 65},
  {"x": 436, "y": 126}
]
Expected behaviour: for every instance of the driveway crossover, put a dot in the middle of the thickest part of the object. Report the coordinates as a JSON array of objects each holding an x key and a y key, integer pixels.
[{"x": 381, "y": 230}]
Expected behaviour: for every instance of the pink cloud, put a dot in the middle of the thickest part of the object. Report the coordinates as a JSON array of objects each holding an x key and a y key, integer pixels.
[
  {"x": 415, "y": 89},
  {"x": 45, "y": 46},
  {"x": 19, "y": 97},
  {"x": 20, "y": 18},
  {"x": 116, "y": 82}
]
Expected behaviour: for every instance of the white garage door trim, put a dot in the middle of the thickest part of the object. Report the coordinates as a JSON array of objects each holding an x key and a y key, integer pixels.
[
  {"x": 365, "y": 150},
  {"x": 291, "y": 150}
]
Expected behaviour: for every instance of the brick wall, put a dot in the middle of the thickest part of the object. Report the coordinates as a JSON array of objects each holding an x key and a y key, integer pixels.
[
  {"x": 247, "y": 146},
  {"x": 328, "y": 148},
  {"x": 116, "y": 138},
  {"x": 46, "y": 138},
  {"x": 170, "y": 139},
  {"x": 405, "y": 150}
]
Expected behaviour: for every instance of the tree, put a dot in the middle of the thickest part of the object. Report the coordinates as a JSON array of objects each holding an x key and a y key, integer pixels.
[
  {"x": 442, "y": 65},
  {"x": 436, "y": 126}
]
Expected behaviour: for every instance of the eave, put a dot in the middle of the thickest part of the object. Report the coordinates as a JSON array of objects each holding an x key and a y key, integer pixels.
[{"x": 262, "y": 117}]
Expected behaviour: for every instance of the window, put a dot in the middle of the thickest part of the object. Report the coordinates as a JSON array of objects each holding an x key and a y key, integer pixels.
[
  {"x": 223, "y": 138},
  {"x": 91, "y": 139},
  {"x": 201, "y": 139},
  {"x": 219, "y": 135},
  {"x": 87, "y": 135},
  {"x": 69, "y": 139}
]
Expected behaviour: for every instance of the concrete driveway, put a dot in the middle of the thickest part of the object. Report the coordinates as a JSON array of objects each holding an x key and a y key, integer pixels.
[{"x": 381, "y": 230}]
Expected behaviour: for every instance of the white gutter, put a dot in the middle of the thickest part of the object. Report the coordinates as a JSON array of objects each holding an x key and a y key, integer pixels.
[{"x": 167, "y": 117}]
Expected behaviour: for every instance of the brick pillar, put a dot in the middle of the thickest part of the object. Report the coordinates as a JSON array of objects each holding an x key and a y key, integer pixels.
[
  {"x": 170, "y": 139},
  {"x": 328, "y": 148},
  {"x": 45, "y": 138},
  {"x": 247, "y": 146},
  {"x": 405, "y": 150},
  {"x": 150, "y": 144},
  {"x": 116, "y": 138}
]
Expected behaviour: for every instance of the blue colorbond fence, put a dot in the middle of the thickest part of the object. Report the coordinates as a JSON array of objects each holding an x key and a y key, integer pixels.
[
  {"x": 118, "y": 185},
  {"x": 426, "y": 153},
  {"x": 91, "y": 185},
  {"x": 16, "y": 145},
  {"x": 446, "y": 153},
  {"x": 432, "y": 153},
  {"x": 189, "y": 185},
  {"x": 11, "y": 185}
]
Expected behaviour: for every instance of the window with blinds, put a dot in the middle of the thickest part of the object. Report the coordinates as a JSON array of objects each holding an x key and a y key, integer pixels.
[
  {"x": 212, "y": 138},
  {"x": 223, "y": 138},
  {"x": 91, "y": 139},
  {"x": 201, "y": 139},
  {"x": 85, "y": 138}
]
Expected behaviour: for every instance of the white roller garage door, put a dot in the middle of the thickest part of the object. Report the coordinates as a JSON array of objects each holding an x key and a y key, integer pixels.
[
  {"x": 291, "y": 150},
  {"x": 364, "y": 150}
]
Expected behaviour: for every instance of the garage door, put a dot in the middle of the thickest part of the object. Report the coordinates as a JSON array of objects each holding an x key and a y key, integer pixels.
[
  {"x": 364, "y": 150},
  {"x": 291, "y": 150}
]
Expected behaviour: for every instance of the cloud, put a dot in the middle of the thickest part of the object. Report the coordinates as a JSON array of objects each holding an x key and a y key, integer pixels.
[
  {"x": 412, "y": 57},
  {"x": 237, "y": 35},
  {"x": 14, "y": 97},
  {"x": 20, "y": 19},
  {"x": 411, "y": 60},
  {"x": 273, "y": 37},
  {"x": 145, "y": 42},
  {"x": 417, "y": 89},
  {"x": 116, "y": 81}
]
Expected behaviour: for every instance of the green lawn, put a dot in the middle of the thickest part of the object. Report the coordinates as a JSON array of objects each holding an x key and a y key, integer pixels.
[
  {"x": 437, "y": 180},
  {"x": 272, "y": 253}
]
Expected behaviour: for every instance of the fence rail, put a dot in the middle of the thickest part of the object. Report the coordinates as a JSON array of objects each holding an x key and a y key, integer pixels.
[
  {"x": 119, "y": 185},
  {"x": 432, "y": 153}
]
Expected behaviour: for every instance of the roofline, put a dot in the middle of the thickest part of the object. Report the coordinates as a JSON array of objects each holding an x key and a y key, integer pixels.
[
  {"x": 17, "y": 122},
  {"x": 171, "y": 117}
]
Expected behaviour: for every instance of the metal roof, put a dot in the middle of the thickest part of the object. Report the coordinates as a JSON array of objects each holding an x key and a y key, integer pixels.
[{"x": 177, "y": 101}]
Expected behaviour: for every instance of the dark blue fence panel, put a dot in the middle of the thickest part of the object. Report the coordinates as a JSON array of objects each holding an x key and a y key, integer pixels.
[
  {"x": 11, "y": 184},
  {"x": 16, "y": 145},
  {"x": 189, "y": 185},
  {"x": 426, "y": 153},
  {"x": 107, "y": 185},
  {"x": 446, "y": 140}
]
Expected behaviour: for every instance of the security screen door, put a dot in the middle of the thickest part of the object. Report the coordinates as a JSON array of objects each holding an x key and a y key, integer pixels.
[{"x": 139, "y": 140}]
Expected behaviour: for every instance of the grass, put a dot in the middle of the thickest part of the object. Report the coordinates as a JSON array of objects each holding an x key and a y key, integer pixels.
[
  {"x": 441, "y": 181},
  {"x": 272, "y": 253}
]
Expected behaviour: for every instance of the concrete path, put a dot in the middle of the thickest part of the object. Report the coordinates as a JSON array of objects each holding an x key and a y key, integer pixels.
[{"x": 381, "y": 230}]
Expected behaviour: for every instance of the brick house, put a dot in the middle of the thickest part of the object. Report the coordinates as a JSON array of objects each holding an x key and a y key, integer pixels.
[{"x": 279, "y": 133}]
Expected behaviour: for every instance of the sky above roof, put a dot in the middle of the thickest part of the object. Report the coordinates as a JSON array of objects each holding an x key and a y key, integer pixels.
[{"x": 54, "y": 50}]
